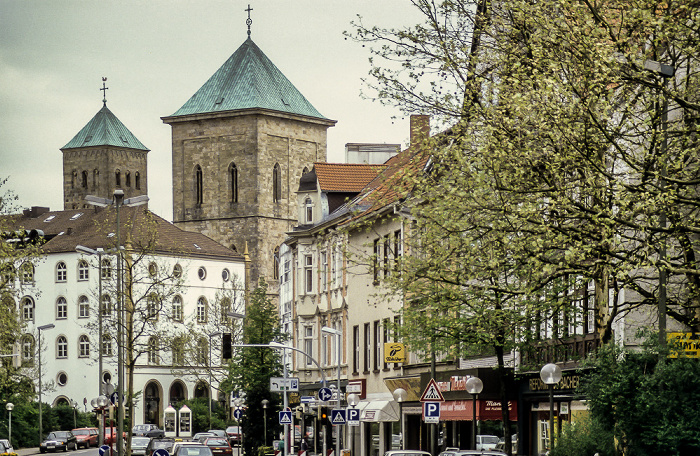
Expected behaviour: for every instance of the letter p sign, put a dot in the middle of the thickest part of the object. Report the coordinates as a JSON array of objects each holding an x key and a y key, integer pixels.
[{"x": 431, "y": 412}]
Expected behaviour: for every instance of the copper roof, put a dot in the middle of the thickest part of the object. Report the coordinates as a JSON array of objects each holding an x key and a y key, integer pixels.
[
  {"x": 345, "y": 177},
  {"x": 140, "y": 229},
  {"x": 104, "y": 129}
]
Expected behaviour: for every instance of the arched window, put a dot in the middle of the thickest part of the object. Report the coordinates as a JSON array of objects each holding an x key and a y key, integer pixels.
[
  {"x": 276, "y": 263},
  {"x": 178, "y": 351},
  {"x": 106, "y": 308},
  {"x": 27, "y": 349},
  {"x": 153, "y": 351},
  {"x": 83, "y": 346},
  {"x": 27, "y": 273},
  {"x": 225, "y": 309},
  {"x": 201, "y": 310},
  {"x": 106, "y": 345},
  {"x": 106, "y": 269},
  {"x": 308, "y": 210},
  {"x": 61, "y": 272},
  {"x": 61, "y": 308},
  {"x": 202, "y": 352},
  {"x": 198, "y": 185},
  {"x": 83, "y": 270},
  {"x": 137, "y": 180},
  {"x": 276, "y": 183},
  {"x": 83, "y": 307},
  {"x": 177, "y": 309},
  {"x": 152, "y": 306},
  {"x": 118, "y": 178},
  {"x": 27, "y": 309},
  {"x": 61, "y": 347},
  {"x": 84, "y": 179},
  {"x": 304, "y": 171},
  {"x": 95, "y": 178},
  {"x": 233, "y": 182},
  {"x": 128, "y": 178},
  {"x": 73, "y": 178}
]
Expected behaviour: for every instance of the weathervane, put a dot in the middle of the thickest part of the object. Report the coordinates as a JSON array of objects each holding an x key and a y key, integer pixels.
[
  {"x": 104, "y": 90},
  {"x": 249, "y": 21}
]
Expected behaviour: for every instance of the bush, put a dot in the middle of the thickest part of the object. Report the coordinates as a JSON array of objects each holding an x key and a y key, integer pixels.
[{"x": 583, "y": 438}]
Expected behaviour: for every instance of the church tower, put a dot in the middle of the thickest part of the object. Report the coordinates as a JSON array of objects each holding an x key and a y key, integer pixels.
[
  {"x": 240, "y": 145},
  {"x": 102, "y": 157}
]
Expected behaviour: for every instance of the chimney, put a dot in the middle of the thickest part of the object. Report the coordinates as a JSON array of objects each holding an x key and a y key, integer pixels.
[{"x": 420, "y": 129}]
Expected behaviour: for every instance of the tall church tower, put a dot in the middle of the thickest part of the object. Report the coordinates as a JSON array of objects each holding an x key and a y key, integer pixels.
[
  {"x": 102, "y": 157},
  {"x": 240, "y": 145}
]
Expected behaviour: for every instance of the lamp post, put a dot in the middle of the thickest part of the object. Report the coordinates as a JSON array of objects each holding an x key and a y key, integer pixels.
[
  {"x": 550, "y": 375},
  {"x": 474, "y": 387},
  {"x": 339, "y": 335},
  {"x": 74, "y": 404},
  {"x": 41, "y": 328},
  {"x": 216, "y": 334},
  {"x": 99, "y": 251},
  {"x": 9, "y": 406},
  {"x": 118, "y": 201},
  {"x": 100, "y": 403},
  {"x": 264, "y": 404},
  {"x": 400, "y": 395}
]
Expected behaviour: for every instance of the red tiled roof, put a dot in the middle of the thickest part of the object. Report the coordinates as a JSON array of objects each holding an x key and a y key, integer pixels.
[{"x": 345, "y": 177}]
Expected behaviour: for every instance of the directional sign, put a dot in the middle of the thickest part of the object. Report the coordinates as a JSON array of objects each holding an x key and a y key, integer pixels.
[
  {"x": 353, "y": 416},
  {"x": 325, "y": 394},
  {"x": 307, "y": 399},
  {"x": 114, "y": 398},
  {"x": 238, "y": 414},
  {"x": 278, "y": 384},
  {"x": 432, "y": 393},
  {"x": 431, "y": 412},
  {"x": 103, "y": 450},
  {"x": 338, "y": 416},
  {"x": 286, "y": 417},
  {"x": 161, "y": 452}
]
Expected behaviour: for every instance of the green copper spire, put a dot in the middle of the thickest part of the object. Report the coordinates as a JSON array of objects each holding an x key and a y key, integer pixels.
[{"x": 104, "y": 129}]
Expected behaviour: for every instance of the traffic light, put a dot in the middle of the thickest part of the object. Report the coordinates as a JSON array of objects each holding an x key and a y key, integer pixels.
[
  {"x": 323, "y": 415},
  {"x": 226, "y": 346}
]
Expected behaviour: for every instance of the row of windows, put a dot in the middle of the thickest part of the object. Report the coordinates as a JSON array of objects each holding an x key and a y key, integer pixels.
[
  {"x": 26, "y": 274},
  {"x": 368, "y": 345},
  {"x": 386, "y": 255},
  {"x": 178, "y": 349},
  {"x": 83, "y": 347},
  {"x": 83, "y": 181},
  {"x": 232, "y": 181},
  {"x": 329, "y": 275},
  {"x": 106, "y": 271}
]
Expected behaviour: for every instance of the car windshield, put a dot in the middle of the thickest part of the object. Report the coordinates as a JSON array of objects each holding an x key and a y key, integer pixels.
[
  {"x": 489, "y": 439},
  {"x": 216, "y": 442},
  {"x": 232, "y": 429},
  {"x": 140, "y": 441},
  {"x": 195, "y": 451},
  {"x": 81, "y": 432}
]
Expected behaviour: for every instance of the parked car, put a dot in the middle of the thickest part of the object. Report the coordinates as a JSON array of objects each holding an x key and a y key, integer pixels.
[
  {"x": 477, "y": 452},
  {"x": 178, "y": 444},
  {"x": 58, "y": 440},
  {"x": 7, "y": 446},
  {"x": 111, "y": 435},
  {"x": 406, "y": 453},
  {"x": 234, "y": 434},
  {"x": 192, "y": 450},
  {"x": 514, "y": 444},
  {"x": 86, "y": 437},
  {"x": 166, "y": 444},
  {"x": 201, "y": 436},
  {"x": 139, "y": 445},
  {"x": 218, "y": 433},
  {"x": 219, "y": 446},
  {"x": 148, "y": 430},
  {"x": 486, "y": 442}
]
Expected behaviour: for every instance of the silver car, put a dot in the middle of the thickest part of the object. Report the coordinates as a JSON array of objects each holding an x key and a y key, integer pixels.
[{"x": 139, "y": 445}]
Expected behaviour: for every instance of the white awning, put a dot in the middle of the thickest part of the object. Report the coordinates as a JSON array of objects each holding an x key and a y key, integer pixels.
[{"x": 380, "y": 411}]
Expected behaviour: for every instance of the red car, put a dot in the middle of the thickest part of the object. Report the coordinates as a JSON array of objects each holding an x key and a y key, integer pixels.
[
  {"x": 86, "y": 437},
  {"x": 219, "y": 446},
  {"x": 110, "y": 435}
]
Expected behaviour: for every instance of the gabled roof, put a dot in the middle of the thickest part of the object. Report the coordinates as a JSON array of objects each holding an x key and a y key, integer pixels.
[
  {"x": 248, "y": 80},
  {"x": 345, "y": 177},
  {"x": 94, "y": 228},
  {"x": 104, "y": 129}
]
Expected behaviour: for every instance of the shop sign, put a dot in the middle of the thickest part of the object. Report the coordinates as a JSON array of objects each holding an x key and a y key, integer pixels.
[
  {"x": 567, "y": 382},
  {"x": 394, "y": 352},
  {"x": 685, "y": 344}
]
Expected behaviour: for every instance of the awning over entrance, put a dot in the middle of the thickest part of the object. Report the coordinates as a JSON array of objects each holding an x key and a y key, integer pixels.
[
  {"x": 485, "y": 410},
  {"x": 380, "y": 411}
]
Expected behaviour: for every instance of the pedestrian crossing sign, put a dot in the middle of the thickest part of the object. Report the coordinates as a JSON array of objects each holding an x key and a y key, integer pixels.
[
  {"x": 338, "y": 416},
  {"x": 432, "y": 393}
]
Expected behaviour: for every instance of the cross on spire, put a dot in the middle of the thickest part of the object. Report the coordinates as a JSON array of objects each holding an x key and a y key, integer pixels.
[
  {"x": 104, "y": 90},
  {"x": 248, "y": 21}
]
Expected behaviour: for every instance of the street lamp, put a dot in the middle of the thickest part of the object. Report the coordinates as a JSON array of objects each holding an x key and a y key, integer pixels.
[
  {"x": 118, "y": 200},
  {"x": 550, "y": 375},
  {"x": 400, "y": 396},
  {"x": 339, "y": 335},
  {"x": 474, "y": 387},
  {"x": 264, "y": 404},
  {"x": 41, "y": 328},
  {"x": 9, "y": 406},
  {"x": 216, "y": 334},
  {"x": 100, "y": 403}
]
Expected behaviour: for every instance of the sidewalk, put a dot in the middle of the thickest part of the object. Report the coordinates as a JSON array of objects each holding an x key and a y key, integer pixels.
[{"x": 27, "y": 451}]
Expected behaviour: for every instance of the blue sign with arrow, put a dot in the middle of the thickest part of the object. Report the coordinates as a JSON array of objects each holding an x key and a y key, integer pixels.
[
  {"x": 325, "y": 394},
  {"x": 238, "y": 414}
]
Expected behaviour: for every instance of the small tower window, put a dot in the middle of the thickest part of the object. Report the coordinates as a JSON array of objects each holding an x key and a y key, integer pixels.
[
  {"x": 128, "y": 178},
  {"x": 118, "y": 178},
  {"x": 308, "y": 210},
  {"x": 137, "y": 180},
  {"x": 199, "y": 185},
  {"x": 84, "y": 179},
  {"x": 95, "y": 178},
  {"x": 276, "y": 183},
  {"x": 233, "y": 182}
]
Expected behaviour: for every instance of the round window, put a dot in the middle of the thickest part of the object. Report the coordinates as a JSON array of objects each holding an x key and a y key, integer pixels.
[
  {"x": 106, "y": 377},
  {"x": 177, "y": 271},
  {"x": 152, "y": 269},
  {"x": 226, "y": 275},
  {"x": 62, "y": 378},
  {"x": 202, "y": 273}
]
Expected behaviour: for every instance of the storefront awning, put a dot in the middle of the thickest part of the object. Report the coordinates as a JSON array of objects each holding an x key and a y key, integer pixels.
[
  {"x": 485, "y": 410},
  {"x": 380, "y": 411}
]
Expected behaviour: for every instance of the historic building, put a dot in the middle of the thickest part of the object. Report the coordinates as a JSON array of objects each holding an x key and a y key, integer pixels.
[{"x": 239, "y": 146}]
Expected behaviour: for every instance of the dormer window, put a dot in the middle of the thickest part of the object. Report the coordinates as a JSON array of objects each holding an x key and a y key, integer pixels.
[{"x": 308, "y": 211}]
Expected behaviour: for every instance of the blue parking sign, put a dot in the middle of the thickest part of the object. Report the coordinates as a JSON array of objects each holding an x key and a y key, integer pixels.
[{"x": 431, "y": 412}]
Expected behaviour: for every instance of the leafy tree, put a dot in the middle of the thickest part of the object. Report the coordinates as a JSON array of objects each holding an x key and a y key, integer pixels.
[{"x": 252, "y": 367}]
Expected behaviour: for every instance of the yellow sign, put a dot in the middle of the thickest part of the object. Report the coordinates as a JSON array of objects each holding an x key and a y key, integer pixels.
[
  {"x": 683, "y": 344},
  {"x": 394, "y": 352}
]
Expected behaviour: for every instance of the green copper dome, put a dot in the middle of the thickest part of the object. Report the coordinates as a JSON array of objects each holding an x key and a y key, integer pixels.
[
  {"x": 248, "y": 80},
  {"x": 105, "y": 130}
]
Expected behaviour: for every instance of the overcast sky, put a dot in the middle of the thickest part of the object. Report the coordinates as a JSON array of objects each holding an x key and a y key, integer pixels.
[{"x": 156, "y": 54}]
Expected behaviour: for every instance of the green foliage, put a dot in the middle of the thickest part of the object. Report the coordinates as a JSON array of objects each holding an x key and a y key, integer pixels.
[
  {"x": 648, "y": 402},
  {"x": 584, "y": 438},
  {"x": 252, "y": 367},
  {"x": 25, "y": 421}
]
